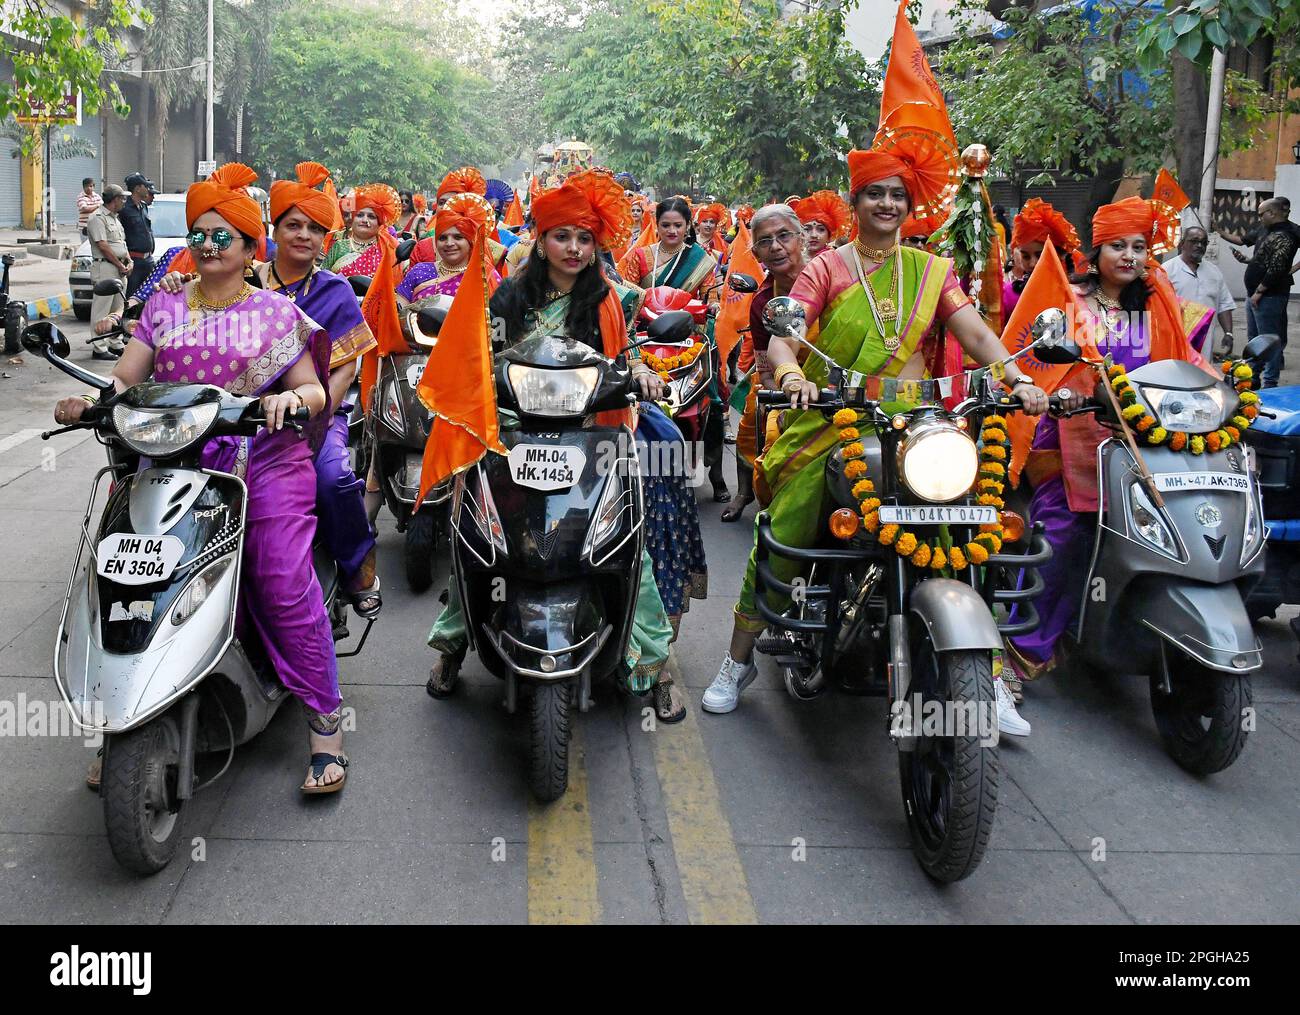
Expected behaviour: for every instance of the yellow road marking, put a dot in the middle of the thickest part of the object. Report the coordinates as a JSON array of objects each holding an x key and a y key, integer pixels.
[
  {"x": 712, "y": 877},
  {"x": 561, "y": 855}
]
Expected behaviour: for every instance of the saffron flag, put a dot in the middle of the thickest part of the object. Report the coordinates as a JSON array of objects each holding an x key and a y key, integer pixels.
[
  {"x": 908, "y": 77},
  {"x": 1168, "y": 191},
  {"x": 379, "y": 308},
  {"x": 457, "y": 385},
  {"x": 734, "y": 315},
  {"x": 1047, "y": 287},
  {"x": 514, "y": 216}
]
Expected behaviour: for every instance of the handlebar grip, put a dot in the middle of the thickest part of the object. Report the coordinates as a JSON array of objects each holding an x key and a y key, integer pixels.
[
  {"x": 773, "y": 398},
  {"x": 299, "y": 415}
]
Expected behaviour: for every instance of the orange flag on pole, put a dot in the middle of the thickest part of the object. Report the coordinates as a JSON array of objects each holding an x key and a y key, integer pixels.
[
  {"x": 1168, "y": 191},
  {"x": 908, "y": 77},
  {"x": 379, "y": 308},
  {"x": 457, "y": 385},
  {"x": 734, "y": 315},
  {"x": 514, "y": 216},
  {"x": 1047, "y": 287}
]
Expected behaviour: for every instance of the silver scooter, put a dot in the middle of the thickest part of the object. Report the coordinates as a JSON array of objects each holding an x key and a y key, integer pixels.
[
  {"x": 146, "y": 652},
  {"x": 1180, "y": 540}
]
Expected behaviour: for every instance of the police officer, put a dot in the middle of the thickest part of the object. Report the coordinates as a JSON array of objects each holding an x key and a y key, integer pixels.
[
  {"x": 109, "y": 260},
  {"x": 139, "y": 230}
]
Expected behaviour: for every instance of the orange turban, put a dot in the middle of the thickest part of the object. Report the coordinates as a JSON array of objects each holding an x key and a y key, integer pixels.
[
  {"x": 591, "y": 200},
  {"x": 321, "y": 206},
  {"x": 226, "y": 193},
  {"x": 420, "y": 204},
  {"x": 913, "y": 226},
  {"x": 913, "y": 145},
  {"x": 1134, "y": 216},
  {"x": 466, "y": 180},
  {"x": 717, "y": 212},
  {"x": 745, "y": 213},
  {"x": 467, "y": 212},
  {"x": 1039, "y": 222},
  {"x": 382, "y": 199},
  {"x": 828, "y": 208}
]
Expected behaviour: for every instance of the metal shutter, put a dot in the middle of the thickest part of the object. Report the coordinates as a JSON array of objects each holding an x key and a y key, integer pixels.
[
  {"x": 11, "y": 197},
  {"x": 68, "y": 173}
]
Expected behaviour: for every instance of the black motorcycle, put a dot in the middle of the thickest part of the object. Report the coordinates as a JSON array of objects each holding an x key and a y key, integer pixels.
[{"x": 548, "y": 539}]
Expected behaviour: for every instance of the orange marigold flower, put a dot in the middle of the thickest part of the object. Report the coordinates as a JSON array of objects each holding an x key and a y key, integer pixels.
[
  {"x": 994, "y": 468},
  {"x": 921, "y": 557},
  {"x": 845, "y": 417},
  {"x": 1178, "y": 441},
  {"x": 994, "y": 451},
  {"x": 1233, "y": 432},
  {"x": 854, "y": 450},
  {"x": 977, "y": 554},
  {"x": 905, "y": 544},
  {"x": 988, "y": 498},
  {"x": 994, "y": 436},
  {"x": 1145, "y": 423},
  {"x": 869, "y": 505},
  {"x": 871, "y": 522},
  {"x": 1250, "y": 411},
  {"x": 1212, "y": 441},
  {"x": 938, "y": 561},
  {"x": 852, "y": 470},
  {"x": 957, "y": 558},
  {"x": 888, "y": 534},
  {"x": 849, "y": 433}
]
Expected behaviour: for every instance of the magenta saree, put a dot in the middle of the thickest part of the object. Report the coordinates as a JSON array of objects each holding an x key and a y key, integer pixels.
[{"x": 246, "y": 349}]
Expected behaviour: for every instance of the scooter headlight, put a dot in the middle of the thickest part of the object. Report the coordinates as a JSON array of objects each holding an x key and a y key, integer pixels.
[
  {"x": 391, "y": 408},
  {"x": 1253, "y": 531},
  {"x": 200, "y": 587},
  {"x": 694, "y": 381},
  {"x": 1148, "y": 524},
  {"x": 938, "y": 463},
  {"x": 483, "y": 509},
  {"x": 1187, "y": 411},
  {"x": 615, "y": 502},
  {"x": 159, "y": 433},
  {"x": 552, "y": 392}
]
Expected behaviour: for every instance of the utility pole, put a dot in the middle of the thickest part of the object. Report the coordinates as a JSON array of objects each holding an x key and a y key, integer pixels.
[
  {"x": 208, "y": 150},
  {"x": 1210, "y": 162}
]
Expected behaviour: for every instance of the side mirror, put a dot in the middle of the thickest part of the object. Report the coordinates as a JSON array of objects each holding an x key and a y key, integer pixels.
[
  {"x": 405, "y": 248},
  {"x": 670, "y": 328},
  {"x": 1051, "y": 342},
  {"x": 44, "y": 335},
  {"x": 785, "y": 317},
  {"x": 742, "y": 283},
  {"x": 1261, "y": 348},
  {"x": 360, "y": 284},
  {"x": 109, "y": 287}
]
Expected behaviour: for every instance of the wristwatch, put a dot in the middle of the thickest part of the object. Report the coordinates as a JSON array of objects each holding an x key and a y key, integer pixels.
[{"x": 1022, "y": 379}]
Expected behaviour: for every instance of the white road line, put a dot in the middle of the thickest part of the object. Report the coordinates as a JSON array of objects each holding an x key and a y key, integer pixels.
[{"x": 22, "y": 437}]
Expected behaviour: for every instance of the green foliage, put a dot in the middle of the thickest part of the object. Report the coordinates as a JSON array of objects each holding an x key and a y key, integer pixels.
[
  {"x": 64, "y": 144},
  {"x": 725, "y": 95},
  {"x": 357, "y": 98},
  {"x": 50, "y": 51},
  {"x": 1058, "y": 94}
]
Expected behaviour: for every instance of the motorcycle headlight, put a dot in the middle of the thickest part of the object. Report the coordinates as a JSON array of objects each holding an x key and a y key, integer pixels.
[
  {"x": 1187, "y": 411},
  {"x": 159, "y": 433},
  {"x": 81, "y": 264},
  {"x": 1148, "y": 524},
  {"x": 938, "y": 463},
  {"x": 200, "y": 587},
  {"x": 392, "y": 408},
  {"x": 552, "y": 392}
]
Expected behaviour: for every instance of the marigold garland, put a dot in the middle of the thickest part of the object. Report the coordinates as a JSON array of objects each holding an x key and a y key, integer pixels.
[
  {"x": 994, "y": 450},
  {"x": 664, "y": 365},
  {"x": 1150, "y": 430}
]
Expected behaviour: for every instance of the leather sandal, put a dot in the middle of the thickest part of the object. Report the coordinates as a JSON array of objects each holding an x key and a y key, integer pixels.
[
  {"x": 320, "y": 762},
  {"x": 448, "y": 678}
]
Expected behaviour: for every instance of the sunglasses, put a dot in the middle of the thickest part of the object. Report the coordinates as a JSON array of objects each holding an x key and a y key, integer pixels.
[{"x": 221, "y": 239}]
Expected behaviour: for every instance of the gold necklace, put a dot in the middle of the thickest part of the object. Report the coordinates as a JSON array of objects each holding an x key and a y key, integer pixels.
[
  {"x": 1104, "y": 301},
  {"x": 884, "y": 309},
  {"x": 874, "y": 253},
  {"x": 444, "y": 271},
  {"x": 198, "y": 301}
]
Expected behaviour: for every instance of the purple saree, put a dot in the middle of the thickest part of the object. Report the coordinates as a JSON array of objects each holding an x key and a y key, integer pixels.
[{"x": 246, "y": 349}]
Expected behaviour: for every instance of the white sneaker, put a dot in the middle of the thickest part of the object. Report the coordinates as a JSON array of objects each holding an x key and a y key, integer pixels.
[
  {"x": 724, "y": 693},
  {"x": 1010, "y": 721}
]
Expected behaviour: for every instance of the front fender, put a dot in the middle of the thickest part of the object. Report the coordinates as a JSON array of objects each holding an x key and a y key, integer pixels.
[
  {"x": 955, "y": 615},
  {"x": 1207, "y": 622}
]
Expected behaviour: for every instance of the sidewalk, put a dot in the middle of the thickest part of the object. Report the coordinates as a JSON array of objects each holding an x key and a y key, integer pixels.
[{"x": 41, "y": 282}]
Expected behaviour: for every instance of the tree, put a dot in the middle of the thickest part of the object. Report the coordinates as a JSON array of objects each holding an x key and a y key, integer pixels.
[
  {"x": 365, "y": 104},
  {"x": 1060, "y": 93},
  {"x": 727, "y": 94},
  {"x": 51, "y": 53}
]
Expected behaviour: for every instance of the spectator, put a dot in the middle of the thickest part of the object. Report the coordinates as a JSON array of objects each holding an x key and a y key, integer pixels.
[
  {"x": 1269, "y": 278},
  {"x": 139, "y": 230},
  {"x": 87, "y": 202},
  {"x": 1201, "y": 282},
  {"x": 109, "y": 260}
]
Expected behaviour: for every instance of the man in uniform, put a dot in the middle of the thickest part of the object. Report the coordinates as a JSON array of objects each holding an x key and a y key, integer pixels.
[
  {"x": 109, "y": 260},
  {"x": 139, "y": 230}
]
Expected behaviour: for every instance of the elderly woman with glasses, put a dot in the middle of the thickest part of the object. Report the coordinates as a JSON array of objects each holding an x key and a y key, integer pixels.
[{"x": 781, "y": 247}]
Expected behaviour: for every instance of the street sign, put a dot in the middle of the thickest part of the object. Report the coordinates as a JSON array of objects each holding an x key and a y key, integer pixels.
[
  {"x": 66, "y": 112},
  {"x": 207, "y": 168}
]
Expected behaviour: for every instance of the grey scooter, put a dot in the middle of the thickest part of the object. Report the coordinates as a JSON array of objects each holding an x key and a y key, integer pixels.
[{"x": 1178, "y": 544}]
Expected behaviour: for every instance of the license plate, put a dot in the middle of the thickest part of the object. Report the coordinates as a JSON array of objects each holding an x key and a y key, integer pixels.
[
  {"x": 413, "y": 374},
  {"x": 546, "y": 466},
  {"x": 129, "y": 559},
  {"x": 937, "y": 514},
  {"x": 1230, "y": 482}
]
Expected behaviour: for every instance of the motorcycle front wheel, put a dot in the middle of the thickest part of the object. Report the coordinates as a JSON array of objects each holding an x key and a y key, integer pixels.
[
  {"x": 950, "y": 781},
  {"x": 142, "y": 814},
  {"x": 1202, "y": 723},
  {"x": 548, "y": 728},
  {"x": 422, "y": 532}
]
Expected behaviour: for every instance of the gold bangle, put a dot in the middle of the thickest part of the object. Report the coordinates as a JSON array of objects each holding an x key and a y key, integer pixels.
[{"x": 784, "y": 371}]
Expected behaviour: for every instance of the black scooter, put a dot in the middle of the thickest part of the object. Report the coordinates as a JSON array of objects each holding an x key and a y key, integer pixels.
[
  {"x": 15, "y": 311},
  {"x": 548, "y": 539}
]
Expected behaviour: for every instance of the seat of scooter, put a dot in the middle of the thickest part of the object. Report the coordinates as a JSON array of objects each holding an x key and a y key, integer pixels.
[{"x": 1284, "y": 403}]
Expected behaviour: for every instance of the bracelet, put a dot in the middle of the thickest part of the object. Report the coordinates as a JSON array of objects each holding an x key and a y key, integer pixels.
[
  {"x": 785, "y": 370},
  {"x": 91, "y": 399}
]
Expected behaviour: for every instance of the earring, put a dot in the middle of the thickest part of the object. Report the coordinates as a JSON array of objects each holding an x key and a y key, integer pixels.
[
  {"x": 1143, "y": 273},
  {"x": 541, "y": 254},
  {"x": 1092, "y": 269},
  {"x": 593, "y": 258}
]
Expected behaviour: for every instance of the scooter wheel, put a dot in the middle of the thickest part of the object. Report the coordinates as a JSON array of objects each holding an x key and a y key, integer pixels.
[
  {"x": 549, "y": 735},
  {"x": 142, "y": 814},
  {"x": 421, "y": 544},
  {"x": 1202, "y": 722}
]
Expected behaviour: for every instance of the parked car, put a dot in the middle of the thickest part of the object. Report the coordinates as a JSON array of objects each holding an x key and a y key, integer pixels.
[{"x": 167, "y": 213}]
